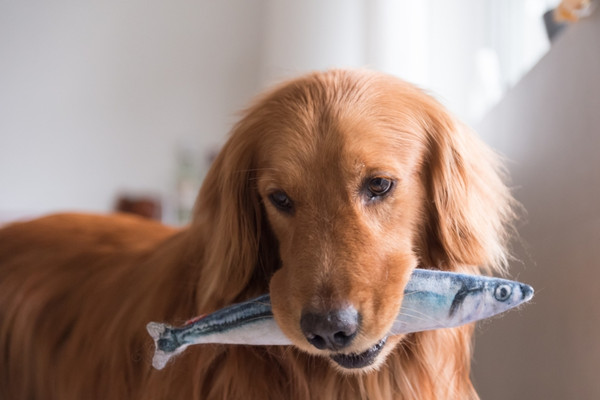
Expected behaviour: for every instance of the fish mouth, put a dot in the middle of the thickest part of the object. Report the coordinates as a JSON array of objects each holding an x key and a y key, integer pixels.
[{"x": 361, "y": 360}]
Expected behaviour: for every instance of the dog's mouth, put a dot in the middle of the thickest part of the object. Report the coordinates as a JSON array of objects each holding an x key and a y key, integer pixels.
[{"x": 362, "y": 360}]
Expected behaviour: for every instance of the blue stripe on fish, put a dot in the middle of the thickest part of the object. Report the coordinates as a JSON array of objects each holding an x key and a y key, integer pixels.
[
  {"x": 461, "y": 295},
  {"x": 216, "y": 323}
]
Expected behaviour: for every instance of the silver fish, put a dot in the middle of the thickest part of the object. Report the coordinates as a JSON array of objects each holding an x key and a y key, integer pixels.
[{"x": 432, "y": 300}]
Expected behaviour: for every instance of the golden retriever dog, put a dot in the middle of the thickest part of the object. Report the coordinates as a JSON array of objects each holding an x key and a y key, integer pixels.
[{"x": 330, "y": 191}]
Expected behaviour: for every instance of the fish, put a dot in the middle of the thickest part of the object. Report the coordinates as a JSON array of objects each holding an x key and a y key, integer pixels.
[{"x": 432, "y": 300}]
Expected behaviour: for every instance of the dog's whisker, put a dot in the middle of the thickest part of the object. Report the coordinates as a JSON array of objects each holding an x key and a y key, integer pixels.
[
  {"x": 412, "y": 292},
  {"x": 421, "y": 316}
]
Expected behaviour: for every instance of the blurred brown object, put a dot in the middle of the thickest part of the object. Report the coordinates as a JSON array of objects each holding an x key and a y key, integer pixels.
[
  {"x": 572, "y": 10},
  {"x": 145, "y": 206}
]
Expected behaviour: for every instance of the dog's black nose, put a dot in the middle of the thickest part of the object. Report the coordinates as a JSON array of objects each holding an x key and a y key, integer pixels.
[{"x": 332, "y": 330}]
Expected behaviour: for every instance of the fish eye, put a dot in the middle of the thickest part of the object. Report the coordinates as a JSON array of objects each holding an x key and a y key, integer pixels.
[{"x": 502, "y": 292}]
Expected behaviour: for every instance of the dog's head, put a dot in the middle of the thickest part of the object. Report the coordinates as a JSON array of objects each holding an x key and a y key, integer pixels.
[{"x": 344, "y": 182}]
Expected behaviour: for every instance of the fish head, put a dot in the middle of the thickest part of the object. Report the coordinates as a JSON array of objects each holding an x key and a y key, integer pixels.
[
  {"x": 501, "y": 295},
  {"x": 488, "y": 297}
]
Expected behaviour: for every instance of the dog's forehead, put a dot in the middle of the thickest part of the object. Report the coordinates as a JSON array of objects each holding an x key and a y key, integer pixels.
[
  {"x": 341, "y": 150},
  {"x": 326, "y": 132}
]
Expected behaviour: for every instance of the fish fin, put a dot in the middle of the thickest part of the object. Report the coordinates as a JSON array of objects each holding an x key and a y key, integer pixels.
[
  {"x": 157, "y": 332},
  {"x": 161, "y": 358},
  {"x": 155, "y": 329}
]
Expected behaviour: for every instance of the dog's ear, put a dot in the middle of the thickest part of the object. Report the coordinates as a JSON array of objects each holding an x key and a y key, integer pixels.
[
  {"x": 469, "y": 208},
  {"x": 239, "y": 251}
]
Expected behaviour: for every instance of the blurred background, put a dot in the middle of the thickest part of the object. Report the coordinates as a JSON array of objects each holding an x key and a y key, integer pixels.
[{"x": 123, "y": 105}]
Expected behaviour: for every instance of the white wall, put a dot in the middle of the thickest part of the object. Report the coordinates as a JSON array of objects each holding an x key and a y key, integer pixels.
[
  {"x": 308, "y": 35},
  {"x": 95, "y": 97},
  {"x": 549, "y": 127}
]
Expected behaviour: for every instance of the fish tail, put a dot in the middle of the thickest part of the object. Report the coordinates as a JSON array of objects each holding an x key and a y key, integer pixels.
[{"x": 166, "y": 344}]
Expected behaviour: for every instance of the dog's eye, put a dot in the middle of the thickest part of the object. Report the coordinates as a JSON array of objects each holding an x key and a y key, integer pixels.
[
  {"x": 378, "y": 186},
  {"x": 281, "y": 201}
]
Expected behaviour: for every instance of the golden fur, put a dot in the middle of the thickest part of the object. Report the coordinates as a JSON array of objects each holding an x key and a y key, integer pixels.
[{"x": 76, "y": 291}]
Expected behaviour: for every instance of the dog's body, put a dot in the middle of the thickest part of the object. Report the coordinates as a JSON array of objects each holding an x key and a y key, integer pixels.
[{"x": 330, "y": 191}]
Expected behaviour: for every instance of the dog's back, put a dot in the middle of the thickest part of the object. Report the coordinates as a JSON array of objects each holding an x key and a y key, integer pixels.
[
  {"x": 76, "y": 292},
  {"x": 63, "y": 286}
]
